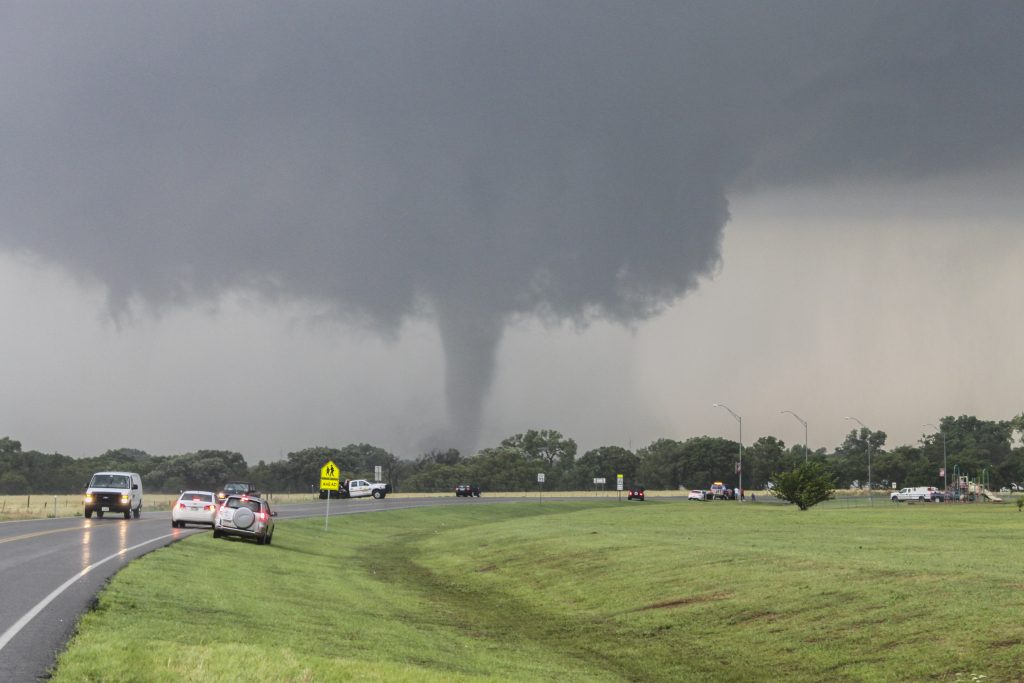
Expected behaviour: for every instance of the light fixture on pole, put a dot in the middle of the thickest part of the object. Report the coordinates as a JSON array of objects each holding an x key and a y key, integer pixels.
[
  {"x": 740, "y": 421},
  {"x": 945, "y": 484},
  {"x": 868, "y": 442},
  {"x": 804, "y": 423}
]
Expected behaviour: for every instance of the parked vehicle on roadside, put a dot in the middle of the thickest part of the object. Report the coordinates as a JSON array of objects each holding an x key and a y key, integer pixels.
[
  {"x": 245, "y": 516},
  {"x": 635, "y": 493},
  {"x": 113, "y": 492},
  {"x": 361, "y": 488},
  {"x": 697, "y": 494},
  {"x": 467, "y": 490},
  {"x": 194, "y": 507},
  {"x": 241, "y": 488},
  {"x": 924, "y": 494},
  {"x": 358, "y": 488},
  {"x": 719, "y": 491}
]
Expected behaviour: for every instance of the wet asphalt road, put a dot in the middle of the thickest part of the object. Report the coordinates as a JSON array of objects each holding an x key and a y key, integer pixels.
[{"x": 52, "y": 569}]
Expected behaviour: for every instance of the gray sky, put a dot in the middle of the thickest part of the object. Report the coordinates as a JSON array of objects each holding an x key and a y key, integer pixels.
[{"x": 263, "y": 227}]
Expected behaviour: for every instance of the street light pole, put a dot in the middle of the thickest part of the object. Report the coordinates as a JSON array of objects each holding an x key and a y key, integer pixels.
[
  {"x": 804, "y": 423},
  {"x": 945, "y": 484},
  {"x": 868, "y": 442},
  {"x": 740, "y": 421}
]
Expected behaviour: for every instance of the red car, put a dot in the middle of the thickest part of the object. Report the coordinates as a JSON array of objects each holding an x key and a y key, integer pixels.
[{"x": 636, "y": 493}]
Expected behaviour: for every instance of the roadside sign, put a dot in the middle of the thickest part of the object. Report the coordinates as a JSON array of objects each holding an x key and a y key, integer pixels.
[
  {"x": 618, "y": 482},
  {"x": 598, "y": 480},
  {"x": 377, "y": 472},
  {"x": 540, "y": 477},
  {"x": 329, "y": 476}
]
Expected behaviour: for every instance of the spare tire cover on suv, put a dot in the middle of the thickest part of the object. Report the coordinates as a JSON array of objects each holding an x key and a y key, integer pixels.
[{"x": 243, "y": 518}]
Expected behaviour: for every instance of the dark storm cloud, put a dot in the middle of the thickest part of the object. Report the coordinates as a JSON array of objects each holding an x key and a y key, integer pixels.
[{"x": 481, "y": 159}]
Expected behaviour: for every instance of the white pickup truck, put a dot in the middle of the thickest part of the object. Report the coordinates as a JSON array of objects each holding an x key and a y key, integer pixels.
[
  {"x": 927, "y": 494},
  {"x": 360, "y": 488}
]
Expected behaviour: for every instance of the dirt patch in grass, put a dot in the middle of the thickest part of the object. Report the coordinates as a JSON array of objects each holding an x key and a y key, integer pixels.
[
  {"x": 755, "y": 616},
  {"x": 1006, "y": 643},
  {"x": 680, "y": 602}
]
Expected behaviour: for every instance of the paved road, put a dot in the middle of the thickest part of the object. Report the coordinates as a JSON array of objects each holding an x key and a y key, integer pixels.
[{"x": 52, "y": 569}]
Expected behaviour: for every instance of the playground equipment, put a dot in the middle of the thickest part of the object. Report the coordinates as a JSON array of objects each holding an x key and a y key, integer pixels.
[{"x": 963, "y": 489}]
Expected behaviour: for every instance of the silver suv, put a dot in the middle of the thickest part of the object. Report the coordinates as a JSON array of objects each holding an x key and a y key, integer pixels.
[{"x": 245, "y": 516}]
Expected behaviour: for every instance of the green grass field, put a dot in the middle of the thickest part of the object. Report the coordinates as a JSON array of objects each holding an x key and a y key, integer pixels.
[{"x": 588, "y": 590}]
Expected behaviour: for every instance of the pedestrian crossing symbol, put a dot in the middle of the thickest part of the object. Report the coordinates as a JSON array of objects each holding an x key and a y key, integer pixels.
[{"x": 329, "y": 477}]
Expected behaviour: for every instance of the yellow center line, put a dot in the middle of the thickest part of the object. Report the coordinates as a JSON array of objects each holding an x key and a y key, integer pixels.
[{"x": 36, "y": 534}]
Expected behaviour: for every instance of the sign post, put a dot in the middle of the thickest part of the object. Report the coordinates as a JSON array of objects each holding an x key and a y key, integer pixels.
[
  {"x": 328, "y": 482},
  {"x": 618, "y": 485},
  {"x": 377, "y": 472},
  {"x": 598, "y": 480},
  {"x": 540, "y": 482}
]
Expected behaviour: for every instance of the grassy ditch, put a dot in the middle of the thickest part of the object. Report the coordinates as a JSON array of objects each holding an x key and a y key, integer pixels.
[{"x": 588, "y": 591}]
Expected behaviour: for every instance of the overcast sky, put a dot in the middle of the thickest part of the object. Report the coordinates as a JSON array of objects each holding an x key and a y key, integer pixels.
[{"x": 263, "y": 226}]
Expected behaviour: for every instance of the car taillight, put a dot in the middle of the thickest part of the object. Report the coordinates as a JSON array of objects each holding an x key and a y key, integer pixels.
[
  {"x": 262, "y": 516},
  {"x": 181, "y": 506},
  {"x": 209, "y": 507}
]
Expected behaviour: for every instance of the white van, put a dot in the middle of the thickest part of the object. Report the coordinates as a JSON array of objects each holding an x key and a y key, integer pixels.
[
  {"x": 114, "y": 492},
  {"x": 921, "y": 493}
]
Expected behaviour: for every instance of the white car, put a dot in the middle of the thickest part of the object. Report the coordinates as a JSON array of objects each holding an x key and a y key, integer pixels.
[
  {"x": 696, "y": 494},
  {"x": 194, "y": 507}
]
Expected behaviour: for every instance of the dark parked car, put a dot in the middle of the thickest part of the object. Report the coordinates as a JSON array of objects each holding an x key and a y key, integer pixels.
[
  {"x": 636, "y": 493},
  {"x": 237, "y": 488},
  {"x": 467, "y": 490}
]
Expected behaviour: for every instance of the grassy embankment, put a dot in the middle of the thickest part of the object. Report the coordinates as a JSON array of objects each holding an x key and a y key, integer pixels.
[{"x": 589, "y": 590}]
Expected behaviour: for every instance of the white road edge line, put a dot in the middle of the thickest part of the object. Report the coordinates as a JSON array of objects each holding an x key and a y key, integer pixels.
[{"x": 9, "y": 634}]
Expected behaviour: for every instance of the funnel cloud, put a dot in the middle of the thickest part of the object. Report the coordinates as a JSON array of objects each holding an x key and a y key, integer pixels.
[{"x": 467, "y": 161}]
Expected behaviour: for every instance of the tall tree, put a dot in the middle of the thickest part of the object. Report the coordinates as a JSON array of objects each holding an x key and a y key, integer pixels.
[
  {"x": 607, "y": 462},
  {"x": 547, "y": 445},
  {"x": 659, "y": 464},
  {"x": 850, "y": 461},
  {"x": 766, "y": 456},
  {"x": 976, "y": 445}
]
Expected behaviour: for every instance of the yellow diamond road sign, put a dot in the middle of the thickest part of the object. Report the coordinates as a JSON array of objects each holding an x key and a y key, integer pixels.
[{"x": 329, "y": 476}]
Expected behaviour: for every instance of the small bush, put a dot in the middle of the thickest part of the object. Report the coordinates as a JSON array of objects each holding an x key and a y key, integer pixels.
[{"x": 806, "y": 485}]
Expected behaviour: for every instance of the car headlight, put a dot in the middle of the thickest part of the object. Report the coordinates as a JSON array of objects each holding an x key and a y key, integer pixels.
[{"x": 87, "y": 499}]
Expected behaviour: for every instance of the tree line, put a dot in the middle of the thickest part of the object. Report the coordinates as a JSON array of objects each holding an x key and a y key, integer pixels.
[{"x": 966, "y": 445}]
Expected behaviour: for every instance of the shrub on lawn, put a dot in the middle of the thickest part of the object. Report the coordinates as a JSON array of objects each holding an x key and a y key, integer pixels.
[{"x": 805, "y": 485}]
